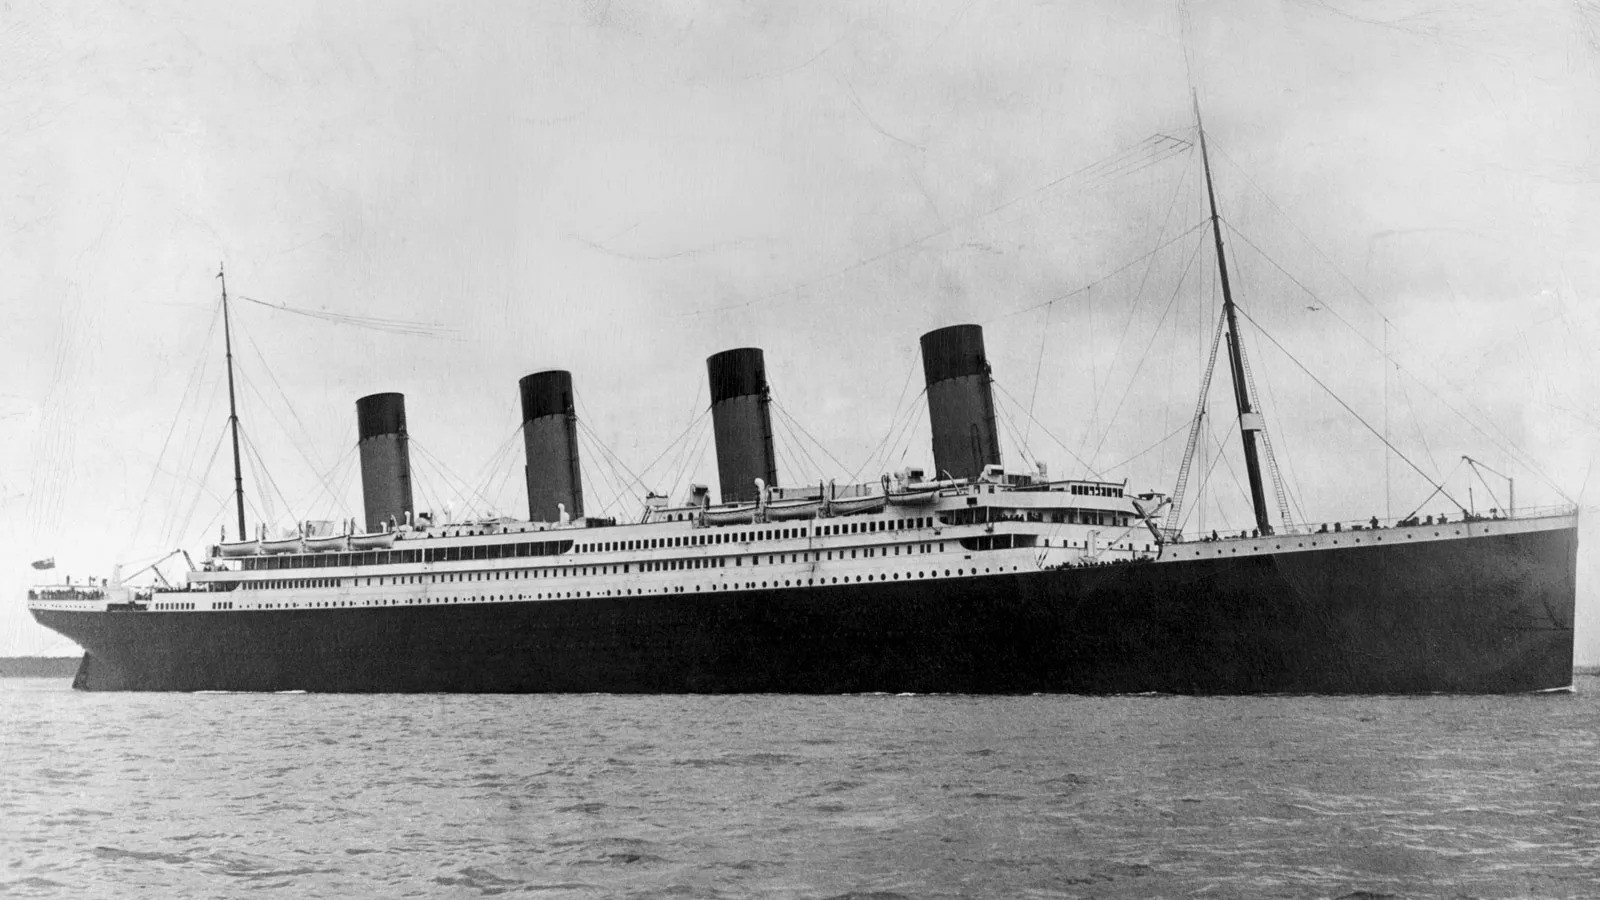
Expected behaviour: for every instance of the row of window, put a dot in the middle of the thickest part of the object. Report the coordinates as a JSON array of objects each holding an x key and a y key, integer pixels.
[
  {"x": 555, "y": 548},
  {"x": 969, "y": 516},
  {"x": 662, "y": 565},
  {"x": 273, "y": 584},
  {"x": 979, "y": 515},
  {"x": 389, "y": 557},
  {"x": 619, "y": 592},
  {"x": 760, "y": 534}
]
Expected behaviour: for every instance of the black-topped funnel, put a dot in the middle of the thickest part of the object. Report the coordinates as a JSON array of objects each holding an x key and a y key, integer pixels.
[
  {"x": 385, "y": 459},
  {"x": 742, "y": 422},
  {"x": 550, "y": 439},
  {"x": 960, "y": 401}
]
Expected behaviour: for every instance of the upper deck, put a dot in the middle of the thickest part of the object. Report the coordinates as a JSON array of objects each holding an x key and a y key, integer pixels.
[{"x": 668, "y": 529}]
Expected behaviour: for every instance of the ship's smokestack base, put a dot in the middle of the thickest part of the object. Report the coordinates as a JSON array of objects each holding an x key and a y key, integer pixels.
[{"x": 385, "y": 459}]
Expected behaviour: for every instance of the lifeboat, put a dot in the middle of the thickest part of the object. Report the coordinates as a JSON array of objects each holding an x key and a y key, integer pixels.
[
  {"x": 379, "y": 540},
  {"x": 736, "y": 515},
  {"x": 918, "y": 496},
  {"x": 784, "y": 510},
  {"x": 238, "y": 549},
  {"x": 327, "y": 544},
  {"x": 850, "y": 506},
  {"x": 286, "y": 545}
]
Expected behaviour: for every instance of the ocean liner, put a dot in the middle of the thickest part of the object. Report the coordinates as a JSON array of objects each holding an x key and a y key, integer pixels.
[{"x": 966, "y": 578}]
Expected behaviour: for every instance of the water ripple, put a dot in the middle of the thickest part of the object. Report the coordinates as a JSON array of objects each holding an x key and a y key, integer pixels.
[{"x": 799, "y": 798}]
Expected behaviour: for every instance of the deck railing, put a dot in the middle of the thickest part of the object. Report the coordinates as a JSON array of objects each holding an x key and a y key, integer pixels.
[{"x": 1370, "y": 523}]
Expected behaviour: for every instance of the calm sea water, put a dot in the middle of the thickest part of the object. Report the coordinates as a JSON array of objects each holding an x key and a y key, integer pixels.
[{"x": 208, "y": 795}]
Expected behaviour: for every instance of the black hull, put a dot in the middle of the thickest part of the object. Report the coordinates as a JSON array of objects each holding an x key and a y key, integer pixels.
[{"x": 1486, "y": 614}]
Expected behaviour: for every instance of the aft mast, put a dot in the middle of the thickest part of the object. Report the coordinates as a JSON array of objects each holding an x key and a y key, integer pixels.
[
  {"x": 1250, "y": 421},
  {"x": 233, "y": 410}
]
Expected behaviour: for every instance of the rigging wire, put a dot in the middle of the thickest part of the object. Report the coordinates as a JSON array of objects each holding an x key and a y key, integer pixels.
[
  {"x": 463, "y": 491},
  {"x": 913, "y": 418},
  {"x": 1291, "y": 484},
  {"x": 1205, "y": 479},
  {"x": 884, "y": 445},
  {"x": 191, "y": 385},
  {"x": 170, "y": 533},
  {"x": 1416, "y": 421},
  {"x": 314, "y": 465},
  {"x": 1486, "y": 486},
  {"x": 1154, "y": 333},
  {"x": 674, "y": 444},
  {"x": 605, "y": 477},
  {"x": 343, "y": 471},
  {"x": 1406, "y": 459},
  {"x": 191, "y": 443},
  {"x": 1155, "y": 149},
  {"x": 1222, "y": 454},
  {"x": 795, "y": 423},
  {"x": 615, "y": 460},
  {"x": 257, "y": 501},
  {"x": 488, "y": 474},
  {"x": 456, "y": 497},
  {"x": 893, "y": 420},
  {"x": 691, "y": 462},
  {"x": 1038, "y": 369},
  {"x": 373, "y": 323},
  {"x": 797, "y": 451},
  {"x": 1439, "y": 489},
  {"x": 906, "y": 449},
  {"x": 216, "y": 517},
  {"x": 695, "y": 405},
  {"x": 1142, "y": 453},
  {"x": 1298, "y": 230},
  {"x": 1503, "y": 443},
  {"x": 498, "y": 492},
  {"x": 1280, "y": 493},
  {"x": 1104, "y": 278},
  {"x": 1138, "y": 294},
  {"x": 1076, "y": 458},
  {"x": 1015, "y": 434},
  {"x": 423, "y": 487},
  {"x": 788, "y": 466},
  {"x": 1138, "y": 298},
  {"x": 1197, "y": 422},
  {"x": 265, "y": 476},
  {"x": 305, "y": 432}
]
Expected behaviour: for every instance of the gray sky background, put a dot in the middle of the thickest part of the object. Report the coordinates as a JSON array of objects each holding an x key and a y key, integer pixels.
[{"x": 622, "y": 189}]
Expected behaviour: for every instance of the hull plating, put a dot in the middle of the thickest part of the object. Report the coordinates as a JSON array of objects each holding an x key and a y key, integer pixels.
[{"x": 1481, "y": 615}]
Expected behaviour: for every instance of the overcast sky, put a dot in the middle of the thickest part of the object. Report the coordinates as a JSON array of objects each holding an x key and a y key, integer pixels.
[{"x": 622, "y": 189}]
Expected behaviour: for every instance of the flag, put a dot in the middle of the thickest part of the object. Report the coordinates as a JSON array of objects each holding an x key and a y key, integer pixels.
[{"x": 45, "y": 563}]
